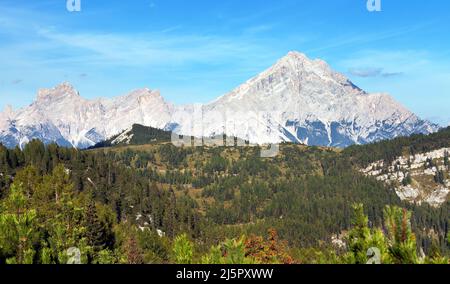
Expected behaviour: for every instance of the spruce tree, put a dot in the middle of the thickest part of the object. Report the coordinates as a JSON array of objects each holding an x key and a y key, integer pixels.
[{"x": 95, "y": 231}]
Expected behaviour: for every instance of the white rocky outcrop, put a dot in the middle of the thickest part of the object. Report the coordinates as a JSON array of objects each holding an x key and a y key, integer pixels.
[{"x": 416, "y": 166}]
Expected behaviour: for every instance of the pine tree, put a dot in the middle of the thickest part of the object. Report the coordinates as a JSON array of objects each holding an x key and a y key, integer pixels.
[
  {"x": 18, "y": 228},
  {"x": 183, "y": 250},
  {"x": 231, "y": 251},
  {"x": 402, "y": 242},
  {"x": 362, "y": 240}
]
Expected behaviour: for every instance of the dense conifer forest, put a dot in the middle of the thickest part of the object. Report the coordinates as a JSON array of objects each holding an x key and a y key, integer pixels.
[{"x": 157, "y": 203}]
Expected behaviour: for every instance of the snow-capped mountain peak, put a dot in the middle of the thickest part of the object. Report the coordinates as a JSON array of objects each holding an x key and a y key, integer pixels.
[{"x": 297, "y": 99}]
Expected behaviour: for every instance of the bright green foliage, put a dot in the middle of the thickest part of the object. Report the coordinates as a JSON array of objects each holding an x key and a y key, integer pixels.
[
  {"x": 183, "y": 250},
  {"x": 398, "y": 246},
  {"x": 105, "y": 257},
  {"x": 437, "y": 259},
  {"x": 361, "y": 239},
  {"x": 17, "y": 228},
  {"x": 402, "y": 242},
  {"x": 46, "y": 255},
  {"x": 232, "y": 251},
  {"x": 215, "y": 256}
]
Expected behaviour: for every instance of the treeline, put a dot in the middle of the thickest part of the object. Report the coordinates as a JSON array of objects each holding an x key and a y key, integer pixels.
[
  {"x": 139, "y": 135},
  {"x": 388, "y": 150}
]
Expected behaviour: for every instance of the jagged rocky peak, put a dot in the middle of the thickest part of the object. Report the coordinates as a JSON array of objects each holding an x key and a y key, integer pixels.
[
  {"x": 297, "y": 75},
  {"x": 142, "y": 96},
  {"x": 296, "y": 58},
  {"x": 62, "y": 90},
  {"x": 306, "y": 68},
  {"x": 144, "y": 92},
  {"x": 298, "y": 99},
  {"x": 299, "y": 62}
]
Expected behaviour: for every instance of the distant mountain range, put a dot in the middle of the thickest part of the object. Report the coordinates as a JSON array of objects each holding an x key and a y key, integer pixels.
[{"x": 296, "y": 100}]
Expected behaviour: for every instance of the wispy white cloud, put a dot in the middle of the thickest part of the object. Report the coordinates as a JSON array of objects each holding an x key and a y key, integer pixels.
[
  {"x": 156, "y": 48},
  {"x": 424, "y": 80},
  {"x": 46, "y": 54},
  {"x": 366, "y": 72}
]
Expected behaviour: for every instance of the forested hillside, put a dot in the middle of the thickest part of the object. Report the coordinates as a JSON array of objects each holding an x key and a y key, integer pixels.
[
  {"x": 138, "y": 134},
  {"x": 157, "y": 203},
  {"x": 388, "y": 150}
]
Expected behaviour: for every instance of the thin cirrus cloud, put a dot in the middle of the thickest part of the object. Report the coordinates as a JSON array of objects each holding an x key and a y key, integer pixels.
[
  {"x": 424, "y": 78},
  {"x": 372, "y": 72},
  {"x": 156, "y": 56},
  {"x": 156, "y": 49},
  {"x": 45, "y": 44}
]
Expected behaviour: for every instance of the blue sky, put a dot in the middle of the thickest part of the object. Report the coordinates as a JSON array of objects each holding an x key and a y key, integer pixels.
[{"x": 196, "y": 50}]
